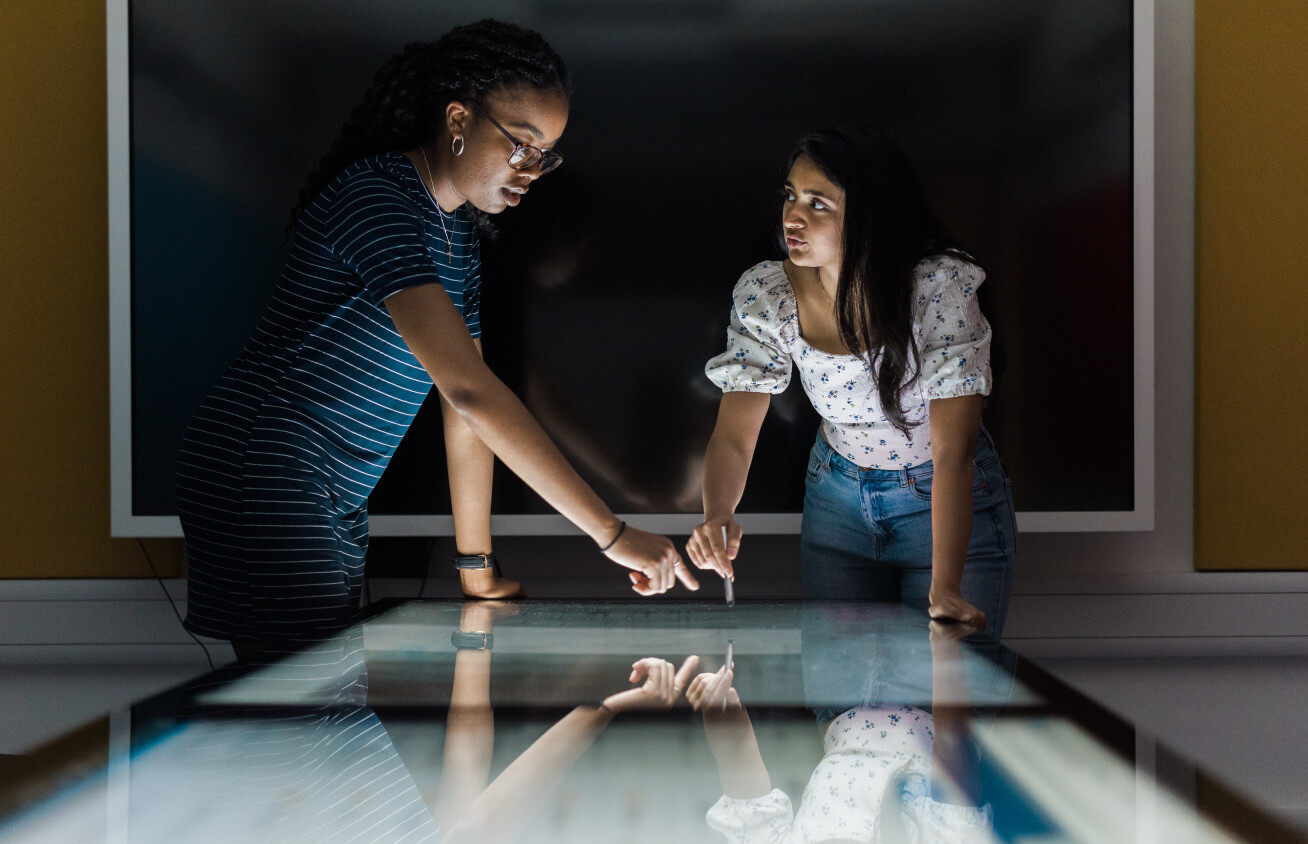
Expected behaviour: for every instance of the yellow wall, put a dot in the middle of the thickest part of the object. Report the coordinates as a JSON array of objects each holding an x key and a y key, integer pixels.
[
  {"x": 54, "y": 402},
  {"x": 1252, "y": 297},
  {"x": 1251, "y": 267}
]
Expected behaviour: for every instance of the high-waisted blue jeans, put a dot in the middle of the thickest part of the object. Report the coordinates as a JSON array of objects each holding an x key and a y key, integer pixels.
[{"x": 866, "y": 533}]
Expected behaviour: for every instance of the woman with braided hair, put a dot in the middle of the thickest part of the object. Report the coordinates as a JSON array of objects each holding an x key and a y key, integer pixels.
[{"x": 377, "y": 302}]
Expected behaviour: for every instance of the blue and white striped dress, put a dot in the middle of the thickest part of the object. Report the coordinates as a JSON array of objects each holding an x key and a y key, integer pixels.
[{"x": 277, "y": 464}]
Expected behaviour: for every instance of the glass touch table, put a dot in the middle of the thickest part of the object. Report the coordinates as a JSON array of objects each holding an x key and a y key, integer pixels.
[{"x": 641, "y": 721}]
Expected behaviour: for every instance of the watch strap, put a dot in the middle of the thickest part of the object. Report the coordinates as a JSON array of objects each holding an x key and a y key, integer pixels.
[
  {"x": 473, "y": 561},
  {"x": 472, "y": 641}
]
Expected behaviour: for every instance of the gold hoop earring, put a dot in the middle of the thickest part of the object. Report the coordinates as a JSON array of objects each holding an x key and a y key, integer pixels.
[{"x": 456, "y": 145}]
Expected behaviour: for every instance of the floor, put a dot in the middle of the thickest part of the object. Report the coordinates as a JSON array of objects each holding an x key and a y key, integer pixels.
[
  {"x": 44, "y": 701},
  {"x": 1239, "y": 718}
]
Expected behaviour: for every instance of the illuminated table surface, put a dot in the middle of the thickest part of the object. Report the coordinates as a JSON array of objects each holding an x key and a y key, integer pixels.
[{"x": 444, "y": 721}]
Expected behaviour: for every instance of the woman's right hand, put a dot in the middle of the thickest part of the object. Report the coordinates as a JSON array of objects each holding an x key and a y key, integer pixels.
[
  {"x": 654, "y": 562},
  {"x": 713, "y": 694},
  {"x": 706, "y": 547},
  {"x": 726, "y": 723}
]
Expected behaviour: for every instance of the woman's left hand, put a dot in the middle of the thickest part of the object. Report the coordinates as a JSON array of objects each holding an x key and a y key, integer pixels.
[
  {"x": 660, "y": 689},
  {"x": 952, "y": 605}
]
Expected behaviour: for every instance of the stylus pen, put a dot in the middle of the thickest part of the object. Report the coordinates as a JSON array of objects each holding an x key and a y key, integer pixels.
[{"x": 726, "y": 581}]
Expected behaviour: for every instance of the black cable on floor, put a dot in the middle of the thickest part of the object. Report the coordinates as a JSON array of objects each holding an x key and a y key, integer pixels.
[{"x": 159, "y": 578}]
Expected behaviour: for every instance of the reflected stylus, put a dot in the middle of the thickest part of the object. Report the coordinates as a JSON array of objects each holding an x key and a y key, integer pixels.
[
  {"x": 731, "y": 644},
  {"x": 726, "y": 581}
]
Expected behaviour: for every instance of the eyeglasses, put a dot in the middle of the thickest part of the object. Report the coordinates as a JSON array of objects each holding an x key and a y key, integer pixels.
[{"x": 524, "y": 156}]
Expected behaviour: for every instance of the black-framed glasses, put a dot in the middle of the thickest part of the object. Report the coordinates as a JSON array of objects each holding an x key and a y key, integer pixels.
[{"x": 524, "y": 156}]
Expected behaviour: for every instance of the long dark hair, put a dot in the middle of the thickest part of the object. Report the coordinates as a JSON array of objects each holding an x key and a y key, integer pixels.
[
  {"x": 889, "y": 228},
  {"x": 405, "y": 107}
]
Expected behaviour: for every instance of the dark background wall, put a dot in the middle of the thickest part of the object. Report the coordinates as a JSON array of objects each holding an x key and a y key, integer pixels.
[{"x": 54, "y": 421}]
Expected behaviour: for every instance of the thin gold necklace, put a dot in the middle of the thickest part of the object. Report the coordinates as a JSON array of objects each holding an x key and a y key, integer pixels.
[
  {"x": 440, "y": 212},
  {"x": 830, "y": 297}
]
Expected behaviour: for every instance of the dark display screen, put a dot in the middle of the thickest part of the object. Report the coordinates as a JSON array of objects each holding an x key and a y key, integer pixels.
[{"x": 609, "y": 288}]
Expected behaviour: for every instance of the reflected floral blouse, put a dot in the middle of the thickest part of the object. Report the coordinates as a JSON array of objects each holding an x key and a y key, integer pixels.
[
  {"x": 765, "y": 344},
  {"x": 865, "y": 751}
]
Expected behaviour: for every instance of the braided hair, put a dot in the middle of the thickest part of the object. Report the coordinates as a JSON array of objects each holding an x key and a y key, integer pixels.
[{"x": 405, "y": 106}]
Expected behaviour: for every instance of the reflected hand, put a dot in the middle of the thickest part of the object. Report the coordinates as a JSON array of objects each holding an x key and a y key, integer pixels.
[
  {"x": 952, "y": 605},
  {"x": 727, "y": 726},
  {"x": 656, "y": 565},
  {"x": 661, "y": 686},
  {"x": 711, "y": 694},
  {"x": 706, "y": 549},
  {"x": 948, "y": 630},
  {"x": 480, "y": 616}
]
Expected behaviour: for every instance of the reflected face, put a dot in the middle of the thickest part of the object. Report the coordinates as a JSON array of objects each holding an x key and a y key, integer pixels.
[
  {"x": 813, "y": 216},
  {"x": 482, "y": 174}
]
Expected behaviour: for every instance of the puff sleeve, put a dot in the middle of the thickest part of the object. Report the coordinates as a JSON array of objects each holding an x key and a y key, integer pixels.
[
  {"x": 756, "y": 820},
  {"x": 944, "y": 822},
  {"x": 763, "y": 321},
  {"x": 952, "y": 335}
]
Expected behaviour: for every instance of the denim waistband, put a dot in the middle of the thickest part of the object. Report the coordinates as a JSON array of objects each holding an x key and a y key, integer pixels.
[{"x": 833, "y": 460}]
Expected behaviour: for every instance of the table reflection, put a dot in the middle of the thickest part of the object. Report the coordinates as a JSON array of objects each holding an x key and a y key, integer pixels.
[
  {"x": 895, "y": 766},
  {"x": 629, "y": 722}
]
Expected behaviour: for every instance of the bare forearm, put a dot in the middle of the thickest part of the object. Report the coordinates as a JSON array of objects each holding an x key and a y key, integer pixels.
[
  {"x": 953, "y": 754},
  {"x": 726, "y": 467},
  {"x": 740, "y": 767},
  {"x": 471, "y": 466},
  {"x": 503, "y": 811},
  {"x": 469, "y": 737},
  {"x": 731, "y": 450},
  {"x": 951, "y": 522}
]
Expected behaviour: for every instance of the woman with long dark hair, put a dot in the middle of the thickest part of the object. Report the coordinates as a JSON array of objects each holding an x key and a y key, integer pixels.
[
  {"x": 875, "y": 308},
  {"x": 379, "y": 300}
]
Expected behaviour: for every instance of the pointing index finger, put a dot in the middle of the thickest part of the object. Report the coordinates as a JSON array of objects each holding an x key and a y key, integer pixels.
[
  {"x": 684, "y": 574},
  {"x": 687, "y": 668}
]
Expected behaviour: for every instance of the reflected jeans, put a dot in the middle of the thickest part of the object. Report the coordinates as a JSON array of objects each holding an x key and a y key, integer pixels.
[{"x": 866, "y": 533}]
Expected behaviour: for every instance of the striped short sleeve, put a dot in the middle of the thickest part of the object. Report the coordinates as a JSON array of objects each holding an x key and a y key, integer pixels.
[{"x": 377, "y": 231}]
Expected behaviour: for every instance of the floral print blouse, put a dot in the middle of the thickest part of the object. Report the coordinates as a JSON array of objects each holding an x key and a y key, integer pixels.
[
  {"x": 865, "y": 751},
  {"x": 765, "y": 344}
]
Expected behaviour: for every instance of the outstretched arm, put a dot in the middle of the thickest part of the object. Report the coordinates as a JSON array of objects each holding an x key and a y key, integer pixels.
[
  {"x": 470, "y": 724},
  {"x": 955, "y": 426},
  {"x": 504, "y": 810},
  {"x": 726, "y": 467},
  {"x": 433, "y": 330},
  {"x": 471, "y": 468}
]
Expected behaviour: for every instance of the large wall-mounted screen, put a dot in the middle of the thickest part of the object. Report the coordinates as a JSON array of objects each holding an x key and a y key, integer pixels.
[{"x": 1029, "y": 122}]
